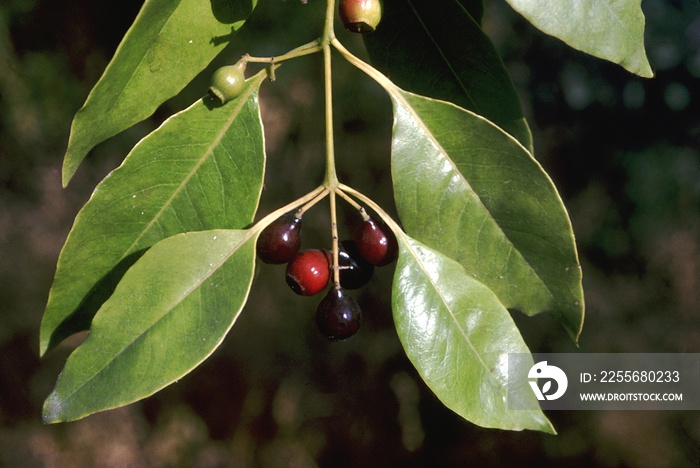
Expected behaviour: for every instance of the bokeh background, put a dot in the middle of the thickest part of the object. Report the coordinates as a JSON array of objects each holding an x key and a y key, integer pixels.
[{"x": 624, "y": 152}]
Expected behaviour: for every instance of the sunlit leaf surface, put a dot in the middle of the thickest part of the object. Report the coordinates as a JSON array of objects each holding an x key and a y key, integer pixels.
[
  {"x": 202, "y": 169},
  {"x": 608, "y": 29},
  {"x": 170, "y": 42},
  {"x": 171, "y": 310},
  {"x": 458, "y": 335},
  {"x": 468, "y": 189}
]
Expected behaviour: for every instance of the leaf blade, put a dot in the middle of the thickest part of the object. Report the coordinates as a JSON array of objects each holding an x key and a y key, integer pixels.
[
  {"x": 458, "y": 336},
  {"x": 438, "y": 49},
  {"x": 170, "y": 312},
  {"x": 465, "y": 187},
  {"x": 607, "y": 29},
  {"x": 169, "y": 43},
  {"x": 202, "y": 169}
]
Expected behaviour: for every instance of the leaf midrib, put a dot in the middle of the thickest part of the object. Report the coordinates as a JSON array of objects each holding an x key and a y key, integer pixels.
[
  {"x": 167, "y": 310},
  {"x": 446, "y": 305},
  {"x": 401, "y": 100},
  {"x": 205, "y": 156},
  {"x": 443, "y": 56}
]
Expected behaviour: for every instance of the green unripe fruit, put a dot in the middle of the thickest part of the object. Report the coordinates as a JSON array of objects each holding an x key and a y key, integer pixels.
[
  {"x": 227, "y": 82},
  {"x": 360, "y": 16}
]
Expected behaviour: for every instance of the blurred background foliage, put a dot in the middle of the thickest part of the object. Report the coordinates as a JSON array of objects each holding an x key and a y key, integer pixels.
[{"x": 623, "y": 151}]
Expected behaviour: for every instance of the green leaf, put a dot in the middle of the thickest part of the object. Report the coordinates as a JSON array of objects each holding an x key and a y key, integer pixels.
[
  {"x": 468, "y": 189},
  {"x": 202, "y": 169},
  {"x": 170, "y": 42},
  {"x": 170, "y": 312},
  {"x": 437, "y": 49},
  {"x": 609, "y": 29},
  {"x": 474, "y": 7},
  {"x": 458, "y": 336}
]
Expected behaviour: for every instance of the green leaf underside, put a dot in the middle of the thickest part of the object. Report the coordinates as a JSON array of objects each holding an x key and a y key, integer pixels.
[
  {"x": 466, "y": 188},
  {"x": 437, "y": 49},
  {"x": 609, "y": 29},
  {"x": 202, "y": 169},
  {"x": 458, "y": 336},
  {"x": 169, "y": 43},
  {"x": 171, "y": 311}
]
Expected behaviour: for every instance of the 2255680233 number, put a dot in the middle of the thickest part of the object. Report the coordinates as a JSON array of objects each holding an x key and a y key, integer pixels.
[{"x": 639, "y": 376}]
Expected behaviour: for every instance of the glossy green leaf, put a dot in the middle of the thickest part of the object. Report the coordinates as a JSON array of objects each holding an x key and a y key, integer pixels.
[
  {"x": 202, "y": 169},
  {"x": 437, "y": 49},
  {"x": 171, "y": 311},
  {"x": 458, "y": 335},
  {"x": 608, "y": 29},
  {"x": 468, "y": 189},
  {"x": 170, "y": 42}
]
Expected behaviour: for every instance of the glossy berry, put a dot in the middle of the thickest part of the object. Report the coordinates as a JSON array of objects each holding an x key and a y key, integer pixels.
[
  {"x": 227, "y": 82},
  {"x": 308, "y": 272},
  {"x": 376, "y": 243},
  {"x": 360, "y": 16},
  {"x": 338, "y": 316},
  {"x": 280, "y": 240},
  {"x": 355, "y": 272}
]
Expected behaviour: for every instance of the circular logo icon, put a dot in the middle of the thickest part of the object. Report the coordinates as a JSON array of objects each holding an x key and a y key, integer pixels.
[{"x": 547, "y": 374}]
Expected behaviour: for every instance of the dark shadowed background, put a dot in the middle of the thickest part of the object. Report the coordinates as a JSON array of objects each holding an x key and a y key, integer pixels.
[{"x": 623, "y": 151}]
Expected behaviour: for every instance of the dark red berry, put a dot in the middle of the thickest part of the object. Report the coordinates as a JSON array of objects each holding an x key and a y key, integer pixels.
[
  {"x": 338, "y": 316},
  {"x": 376, "y": 243},
  {"x": 280, "y": 240},
  {"x": 355, "y": 272},
  {"x": 308, "y": 272},
  {"x": 360, "y": 16}
]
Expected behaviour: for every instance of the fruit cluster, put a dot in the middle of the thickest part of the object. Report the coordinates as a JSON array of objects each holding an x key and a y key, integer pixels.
[{"x": 309, "y": 271}]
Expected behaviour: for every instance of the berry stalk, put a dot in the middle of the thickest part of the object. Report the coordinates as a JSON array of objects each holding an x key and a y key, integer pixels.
[
  {"x": 353, "y": 203},
  {"x": 388, "y": 220},
  {"x": 313, "y": 196},
  {"x": 331, "y": 181},
  {"x": 334, "y": 244},
  {"x": 306, "y": 49}
]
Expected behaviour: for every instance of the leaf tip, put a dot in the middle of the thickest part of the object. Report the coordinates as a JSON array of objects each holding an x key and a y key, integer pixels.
[
  {"x": 542, "y": 423},
  {"x": 43, "y": 348},
  {"x": 52, "y": 410},
  {"x": 67, "y": 172},
  {"x": 640, "y": 67},
  {"x": 647, "y": 73},
  {"x": 549, "y": 429}
]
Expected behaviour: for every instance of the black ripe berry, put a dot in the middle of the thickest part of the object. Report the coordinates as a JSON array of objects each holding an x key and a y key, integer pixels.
[
  {"x": 338, "y": 316},
  {"x": 355, "y": 272},
  {"x": 376, "y": 242},
  {"x": 360, "y": 16},
  {"x": 280, "y": 240},
  {"x": 308, "y": 272}
]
